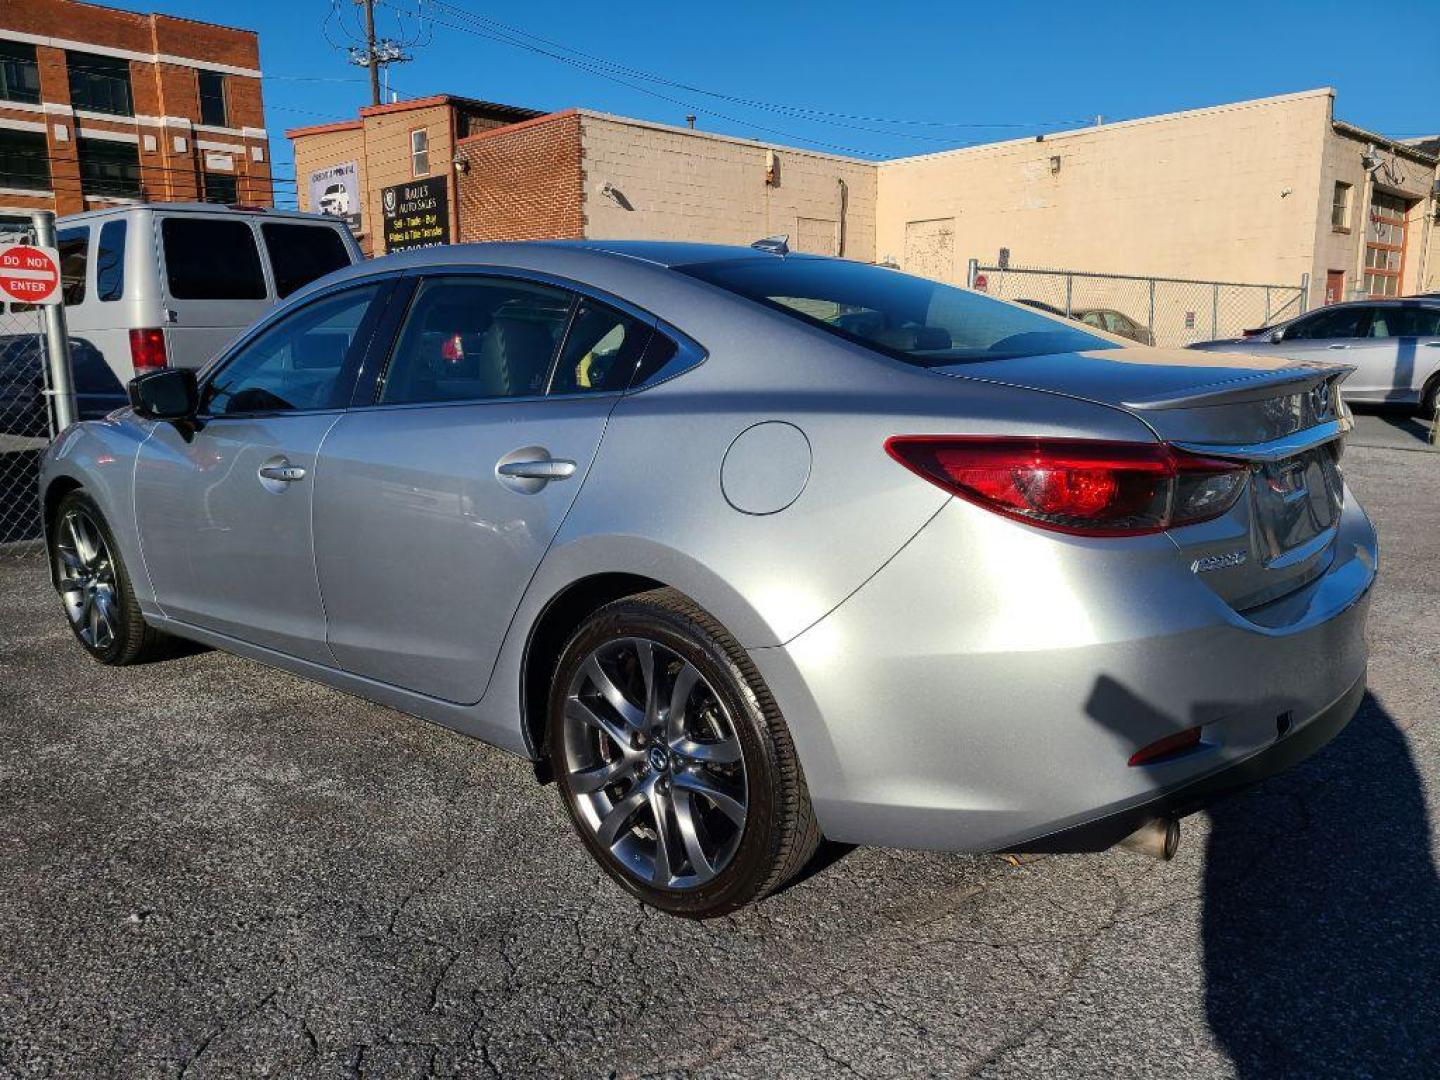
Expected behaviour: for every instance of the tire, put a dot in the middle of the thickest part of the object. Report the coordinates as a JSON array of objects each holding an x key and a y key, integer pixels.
[
  {"x": 719, "y": 766},
  {"x": 1430, "y": 399},
  {"x": 95, "y": 588}
]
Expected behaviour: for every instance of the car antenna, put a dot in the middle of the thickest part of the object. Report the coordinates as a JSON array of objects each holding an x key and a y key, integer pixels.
[{"x": 775, "y": 245}]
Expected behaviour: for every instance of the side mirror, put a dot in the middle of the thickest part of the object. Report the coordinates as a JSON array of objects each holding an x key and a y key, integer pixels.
[{"x": 167, "y": 394}]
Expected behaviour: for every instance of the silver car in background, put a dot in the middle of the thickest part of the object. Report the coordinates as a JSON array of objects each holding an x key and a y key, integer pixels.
[
  {"x": 1394, "y": 346},
  {"x": 747, "y": 548}
]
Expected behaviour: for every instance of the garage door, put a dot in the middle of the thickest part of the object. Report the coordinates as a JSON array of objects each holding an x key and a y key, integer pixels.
[{"x": 930, "y": 248}]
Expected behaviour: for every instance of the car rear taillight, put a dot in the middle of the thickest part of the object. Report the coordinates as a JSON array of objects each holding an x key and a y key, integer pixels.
[
  {"x": 147, "y": 349},
  {"x": 1081, "y": 486}
]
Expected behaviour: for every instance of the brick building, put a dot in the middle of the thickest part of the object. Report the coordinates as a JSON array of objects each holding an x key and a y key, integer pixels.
[
  {"x": 1275, "y": 190},
  {"x": 408, "y": 144},
  {"x": 99, "y": 106}
]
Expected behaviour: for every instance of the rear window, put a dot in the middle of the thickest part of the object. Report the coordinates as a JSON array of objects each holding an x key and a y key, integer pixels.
[
  {"x": 110, "y": 261},
  {"x": 73, "y": 247},
  {"x": 211, "y": 259},
  {"x": 912, "y": 319},
  {"x": 301, "y": 253}
]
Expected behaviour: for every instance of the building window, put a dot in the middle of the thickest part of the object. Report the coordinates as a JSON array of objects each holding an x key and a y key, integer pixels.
[
  {"x": 220, "y": 188},
  {"x": 109, "y": 169},
  {"x": 1385, "y": 245},
  {"x": 19, "y": 74},
  {"x": 419, "y": 152},
  {"x": 24, "y": 160},
  {"x": 212, "y": 98},
  {"x": 100, "y": 83},
  {"x": 1340, "y": 207}
]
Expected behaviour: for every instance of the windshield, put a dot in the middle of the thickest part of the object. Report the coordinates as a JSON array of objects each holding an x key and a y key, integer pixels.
[{"x": 919, "y": 321}]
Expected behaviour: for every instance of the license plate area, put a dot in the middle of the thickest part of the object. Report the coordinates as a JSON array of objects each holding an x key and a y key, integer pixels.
[{"x": 1296, "y": 501}]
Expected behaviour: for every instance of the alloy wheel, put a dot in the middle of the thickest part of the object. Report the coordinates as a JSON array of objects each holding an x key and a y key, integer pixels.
[
  {"x": 654, "y": 763},
  {"x": 85, "y": 573}
]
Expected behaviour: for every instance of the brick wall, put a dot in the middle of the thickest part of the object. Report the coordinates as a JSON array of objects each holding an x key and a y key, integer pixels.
[
  {"x": 670, "y": 183},
  {"x": 160, "y": 88},
  {"x": 523, "y": 182}
]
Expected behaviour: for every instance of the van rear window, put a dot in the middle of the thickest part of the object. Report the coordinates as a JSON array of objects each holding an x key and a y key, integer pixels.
[
  {"x": 301, "y": 253},
  {"x": 211, "y": 259}
]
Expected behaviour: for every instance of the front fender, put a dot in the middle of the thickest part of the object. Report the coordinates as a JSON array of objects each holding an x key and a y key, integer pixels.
[{"x": 99, "y": 456}]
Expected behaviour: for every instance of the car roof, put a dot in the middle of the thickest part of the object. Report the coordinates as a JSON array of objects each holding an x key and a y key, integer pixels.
[{"x": 216, "y": 209}]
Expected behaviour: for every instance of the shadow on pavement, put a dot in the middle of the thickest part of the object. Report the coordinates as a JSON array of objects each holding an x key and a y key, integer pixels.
[
  {"x": 1321, "y": 924},
  {"x": 1408, "y": 424}
]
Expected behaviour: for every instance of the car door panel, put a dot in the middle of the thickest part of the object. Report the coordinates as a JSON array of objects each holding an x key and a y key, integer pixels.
[
  {"x": 223, "y": 503},
  {"x": 227, "y": 550},
  {"x": 422, "y": 550}
]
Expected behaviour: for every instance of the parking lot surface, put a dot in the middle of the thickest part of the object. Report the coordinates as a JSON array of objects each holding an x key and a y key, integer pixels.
[{"x": 208, "y": 868}]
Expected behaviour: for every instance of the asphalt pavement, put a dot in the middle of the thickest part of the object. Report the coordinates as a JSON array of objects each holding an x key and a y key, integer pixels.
[{"x": 208, "y": 868}]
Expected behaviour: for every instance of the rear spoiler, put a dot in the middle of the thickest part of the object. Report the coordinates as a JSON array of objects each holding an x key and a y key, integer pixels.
[{"x": 1257, "y": 387}]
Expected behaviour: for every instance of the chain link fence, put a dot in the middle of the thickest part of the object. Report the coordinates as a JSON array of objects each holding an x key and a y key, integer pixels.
[
  {"x": 27, "y": 415},
  {"x": 1153, "y": 310}
]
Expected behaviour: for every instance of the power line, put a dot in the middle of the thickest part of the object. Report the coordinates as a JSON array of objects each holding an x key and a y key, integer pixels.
[
  {"x": 500, "y": 31},
  {"x": 655, "y": 94}
]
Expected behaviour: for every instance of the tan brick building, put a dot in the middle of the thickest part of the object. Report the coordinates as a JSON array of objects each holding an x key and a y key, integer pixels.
[
  {"x": 99, "y": 106},
  {"x": 1263, "y": 191},
  {"x": 390, "y": 146}
]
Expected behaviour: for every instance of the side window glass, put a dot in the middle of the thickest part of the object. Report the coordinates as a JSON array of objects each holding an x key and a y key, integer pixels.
[
  {"x": 295, "y": 364},
  {"x": 211, "y": 259},
  {"x": 110, "y": 261},
  {"x": 73, "y": 247},
  {"x": 1406, "y": 322},
  {"x": 602, "y": 350},
  {"x": 468, "y": 338},
  {"x": 1330, "y": 323}
]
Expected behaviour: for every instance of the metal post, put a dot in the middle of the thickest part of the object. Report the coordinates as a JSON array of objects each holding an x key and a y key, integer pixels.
[
  {"x": 1069, "y": 292},
  {"x": 972, "y": 271},
  {"x": 57, "y": 339},
  {"x": 1151, "y": 326},
  {"x": 1267, "y": 306},
  {"x": 1215, "y": 310},
  {"x": 1304, "y": 293}
]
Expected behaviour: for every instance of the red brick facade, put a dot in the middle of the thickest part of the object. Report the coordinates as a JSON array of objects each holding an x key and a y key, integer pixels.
[
  {"x": 165, "y": 55},
  {"x": 523, "y": 181}
]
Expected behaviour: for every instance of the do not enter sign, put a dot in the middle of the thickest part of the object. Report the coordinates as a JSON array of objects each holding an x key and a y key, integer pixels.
[{"x": 30, "y": 274}]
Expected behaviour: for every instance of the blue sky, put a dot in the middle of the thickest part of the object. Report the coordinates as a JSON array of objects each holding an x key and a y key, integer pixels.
[{"x": 1031, "y": 67}]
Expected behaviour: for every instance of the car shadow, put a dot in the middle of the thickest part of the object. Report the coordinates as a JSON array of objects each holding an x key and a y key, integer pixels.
[
  {"x": 1409, "y": 424},
  {"x": 1321, "y": 927}
]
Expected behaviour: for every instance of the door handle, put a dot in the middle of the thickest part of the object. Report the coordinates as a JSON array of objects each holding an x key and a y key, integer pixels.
[
  {"x": 1337, "y": 346},
  {"x": 1432, "y": 344},
  {"x": 539, "y": 469},
  {"x": 285, "y": 473}
]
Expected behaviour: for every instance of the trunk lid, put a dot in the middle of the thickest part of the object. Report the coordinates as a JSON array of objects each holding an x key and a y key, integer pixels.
[{"x": 1283, "y": 418}]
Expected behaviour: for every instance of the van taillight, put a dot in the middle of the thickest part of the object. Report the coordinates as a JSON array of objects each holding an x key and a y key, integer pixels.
[
  {"x": 1082, "y": 486},
  {"x": 147, "y": 349}
]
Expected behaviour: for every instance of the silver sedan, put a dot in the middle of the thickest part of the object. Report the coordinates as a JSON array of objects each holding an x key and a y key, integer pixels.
[
  {"x": 1393, "y": 345},
  {"x": 747, "y": 548}
]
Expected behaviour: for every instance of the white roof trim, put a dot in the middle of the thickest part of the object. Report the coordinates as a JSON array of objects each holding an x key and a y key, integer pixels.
[
  {"x": 21, "y": 125},
  {"x": 127, "y": 54}
]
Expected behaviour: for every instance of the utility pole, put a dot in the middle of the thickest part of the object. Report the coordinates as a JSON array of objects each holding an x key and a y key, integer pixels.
[
  {"x": 376, "y": 52},
  {"x": 370, "y": 55}
]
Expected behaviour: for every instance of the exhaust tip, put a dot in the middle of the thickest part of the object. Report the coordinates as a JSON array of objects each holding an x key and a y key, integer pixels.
[{"x": 1159, "y": 838}]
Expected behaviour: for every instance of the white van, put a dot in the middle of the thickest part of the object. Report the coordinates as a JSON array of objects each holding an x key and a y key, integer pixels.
[{"x": 160, "y": 284}]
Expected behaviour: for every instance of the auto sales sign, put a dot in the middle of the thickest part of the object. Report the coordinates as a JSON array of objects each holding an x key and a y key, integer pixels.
[
  {"x": 30, "y": 274},
  {"x": 417, "y": 214}
]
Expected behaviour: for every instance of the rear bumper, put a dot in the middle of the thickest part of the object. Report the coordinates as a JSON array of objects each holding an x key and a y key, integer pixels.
[
  {"x": 985, "y": 690},
  {"x": 1289, "y": 749}
]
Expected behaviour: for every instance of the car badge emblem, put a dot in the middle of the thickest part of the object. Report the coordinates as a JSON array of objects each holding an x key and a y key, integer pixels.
[
  {"x": 1320, "y": 400},
  {"x": 1218, "y": 562}
]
